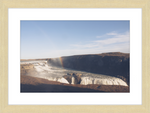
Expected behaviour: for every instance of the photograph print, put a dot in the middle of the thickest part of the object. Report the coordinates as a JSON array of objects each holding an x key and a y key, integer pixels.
[{"x": 68, "y": 56}]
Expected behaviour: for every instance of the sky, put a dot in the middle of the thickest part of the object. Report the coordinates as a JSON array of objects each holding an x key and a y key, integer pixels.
[{"x": 51, "y": 39}]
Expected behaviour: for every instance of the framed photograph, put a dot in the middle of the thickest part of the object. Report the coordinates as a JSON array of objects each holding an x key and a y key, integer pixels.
[{"x": 57, "y": 57}]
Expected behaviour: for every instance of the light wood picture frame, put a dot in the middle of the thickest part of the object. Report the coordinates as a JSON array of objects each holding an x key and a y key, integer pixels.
[{"x": 6, "y": 4}]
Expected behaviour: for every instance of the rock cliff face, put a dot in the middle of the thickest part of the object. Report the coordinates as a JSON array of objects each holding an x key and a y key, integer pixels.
[{"x": 112, "y": 64}]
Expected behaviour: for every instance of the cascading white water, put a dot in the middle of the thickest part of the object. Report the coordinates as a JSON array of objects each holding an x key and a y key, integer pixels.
[
  {"x": 112, "y": 81},
  {"x": 56, "y": 74},
  {"x": 72, "y": 80}
]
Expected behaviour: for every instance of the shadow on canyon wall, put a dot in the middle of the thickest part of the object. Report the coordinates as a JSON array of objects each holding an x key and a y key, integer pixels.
[{"x": 113, "y": 64}]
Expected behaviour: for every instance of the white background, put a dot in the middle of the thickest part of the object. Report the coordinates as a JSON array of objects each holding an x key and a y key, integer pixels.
[{"x": 132, "y": 98}]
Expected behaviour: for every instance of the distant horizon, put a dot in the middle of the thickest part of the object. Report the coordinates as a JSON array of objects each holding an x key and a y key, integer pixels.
[
  {"x": 77, "y": 55},
  {"x": 53, "y": 39}
]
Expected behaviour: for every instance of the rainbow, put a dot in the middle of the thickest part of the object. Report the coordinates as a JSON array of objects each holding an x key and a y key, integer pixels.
[{"x": 61, "y": 61}]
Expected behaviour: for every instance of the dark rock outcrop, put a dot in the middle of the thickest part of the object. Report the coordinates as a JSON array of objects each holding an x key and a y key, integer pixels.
[
  {"x": 77, "y": 78},
  {"x": 112, "y": 64}
]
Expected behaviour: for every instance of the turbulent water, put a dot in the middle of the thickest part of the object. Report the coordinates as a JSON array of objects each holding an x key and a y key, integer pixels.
[{"x": 56, "y": 74}]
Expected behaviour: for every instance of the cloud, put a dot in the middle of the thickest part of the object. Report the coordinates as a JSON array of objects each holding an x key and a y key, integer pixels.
[
  {"x": 90, "y": 45},
  {"x": 101, "y": 36},
  {"x": 114, "y": 43},
  {"x": 80, "y": 51},
  {"x": 113, "y": 33},
  {"x": 116, "y": 39},
  {"x": 120, "y": 43}
]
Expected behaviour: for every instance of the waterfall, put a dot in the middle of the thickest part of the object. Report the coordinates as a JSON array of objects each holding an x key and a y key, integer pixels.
[{"x": 57, "y": 74}]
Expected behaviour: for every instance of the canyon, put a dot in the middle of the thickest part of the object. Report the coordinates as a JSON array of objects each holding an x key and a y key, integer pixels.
[{"x": 107, "y": 69}]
